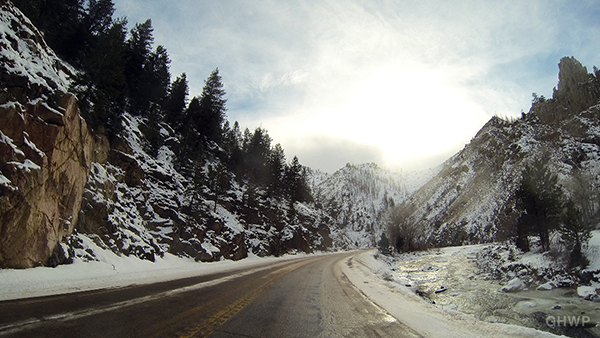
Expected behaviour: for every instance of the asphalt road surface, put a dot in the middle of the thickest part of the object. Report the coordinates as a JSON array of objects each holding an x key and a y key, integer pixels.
[{"x": 308, "y": 297}]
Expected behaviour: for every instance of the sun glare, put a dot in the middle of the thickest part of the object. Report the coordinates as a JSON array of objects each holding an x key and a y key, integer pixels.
[
  {"x": 407, "y": 113},
  {"x": 411, "y": 114}
]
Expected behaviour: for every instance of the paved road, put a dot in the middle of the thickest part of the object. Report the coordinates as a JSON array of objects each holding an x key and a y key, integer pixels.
[{"x": 309, "y": 297}]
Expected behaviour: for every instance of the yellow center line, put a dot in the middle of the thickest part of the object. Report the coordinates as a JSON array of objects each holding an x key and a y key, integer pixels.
[{"x": 209, "y": 325}]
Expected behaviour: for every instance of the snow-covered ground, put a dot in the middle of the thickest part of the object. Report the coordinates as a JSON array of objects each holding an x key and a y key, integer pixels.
[
  {"x": 449, "y": 288},
  {"x": 374, "y": 279},
  {"x": 112, "y": 271}
]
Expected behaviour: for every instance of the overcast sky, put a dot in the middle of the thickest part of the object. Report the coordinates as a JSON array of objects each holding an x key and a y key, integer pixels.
[{"x": 405, "y": 84}]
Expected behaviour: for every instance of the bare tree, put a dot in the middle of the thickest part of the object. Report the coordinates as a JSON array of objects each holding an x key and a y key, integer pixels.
[
  {"x": 583, "y": 189},
  {"x": 575, "y": 234},
  {"x": 403, "y": 231}
]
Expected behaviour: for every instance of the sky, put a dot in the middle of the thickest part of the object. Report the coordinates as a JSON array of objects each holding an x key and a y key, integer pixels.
[{"x": 404, "y": 84}]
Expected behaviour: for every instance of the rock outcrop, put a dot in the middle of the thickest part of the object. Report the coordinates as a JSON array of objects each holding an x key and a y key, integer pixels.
[
  {"x": 45, "y": 146},
  {"x": 576, "y": 91}
]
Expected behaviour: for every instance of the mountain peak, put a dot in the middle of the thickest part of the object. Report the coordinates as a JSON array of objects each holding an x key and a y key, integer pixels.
[
  {"x": 572, "y": 75},
  {"x": 576, "y": 91}
]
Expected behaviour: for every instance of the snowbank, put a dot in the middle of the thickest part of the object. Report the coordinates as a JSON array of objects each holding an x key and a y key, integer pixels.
[{"x": 112, "y": 271}]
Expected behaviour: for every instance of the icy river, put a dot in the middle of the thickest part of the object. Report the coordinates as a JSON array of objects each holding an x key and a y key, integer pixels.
[{"x": 451, "y": 279}]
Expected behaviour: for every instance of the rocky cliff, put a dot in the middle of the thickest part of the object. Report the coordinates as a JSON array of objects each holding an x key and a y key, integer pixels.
[{"x": 45, "y": 146}]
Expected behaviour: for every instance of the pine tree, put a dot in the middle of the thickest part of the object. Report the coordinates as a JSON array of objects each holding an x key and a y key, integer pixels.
[
  {"x": 246, "y": 137},
  {"x": 295, "y": 179},
  {"x": 212, "y": 108},
  {"x": 232, "y": 137},
  {"x": 158, "y": 77},
  {"x": 62, "y": 24},
  {"x": 232, "y": 144},
  {"x": 99, "y": 16},
  {"x": 139, "y": 47},
  {"x": 84, "y": 34},
  {"x": 383, "y": 245},
  {"x": 192, "y": 145},
  {"x": 140, "y": 44},
  {"x": 256, "y": 156},
  {"x": 101, "y": 86},
  {"x": 540, "y": 200},
  {"x": 277, "y": 168},
  {"x": 154, "y": 87},
  {"x": 218, "y": 181},
  {"x": 176, "y": 102}
]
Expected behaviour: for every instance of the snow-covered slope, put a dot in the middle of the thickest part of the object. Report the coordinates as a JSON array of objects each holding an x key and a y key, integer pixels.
[
  {"x": 28, "y": 63},
  {"x": 138, "y": 204},
  {"x": 357, "y": 196},
  {"x": 471, "y": 200}
]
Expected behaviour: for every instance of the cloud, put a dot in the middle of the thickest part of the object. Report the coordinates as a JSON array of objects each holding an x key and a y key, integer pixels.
[
  {"x": 288, "y": 79},
  {"x": 328, "y": 153},
  {"x": 401, "y": 80}
]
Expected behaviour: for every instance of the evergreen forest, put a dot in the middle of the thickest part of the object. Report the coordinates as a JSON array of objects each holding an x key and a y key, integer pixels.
[{"x": 121, "y": 71}]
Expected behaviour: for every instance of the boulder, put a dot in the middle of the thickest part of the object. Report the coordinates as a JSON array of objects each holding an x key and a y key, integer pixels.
[
  {"x": 513, "y": 285},
  {"x": 547, "y": 286},
  {"x": 587, "y": 292}
]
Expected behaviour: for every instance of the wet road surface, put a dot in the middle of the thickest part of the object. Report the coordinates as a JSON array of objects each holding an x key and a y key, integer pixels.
[{"x": 308, "y": 297}]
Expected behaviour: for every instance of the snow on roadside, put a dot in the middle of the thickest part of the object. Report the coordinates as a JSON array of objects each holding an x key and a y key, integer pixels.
[
  {"x": 364, "y": 271},
  {"x": 112, "y": 271}
]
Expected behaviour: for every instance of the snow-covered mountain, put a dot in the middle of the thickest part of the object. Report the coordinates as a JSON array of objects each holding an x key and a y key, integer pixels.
[
  {"x": 357, "y": 196},
  {"x": 472, "y": 200}
]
